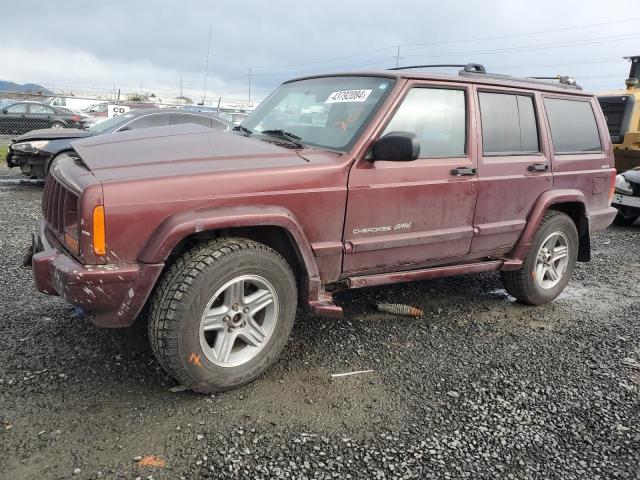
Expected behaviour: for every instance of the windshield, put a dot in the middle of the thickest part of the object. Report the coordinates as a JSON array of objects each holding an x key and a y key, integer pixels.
[
  {"x": 112, "y": 123},
  {"x": 326, "y": 112}
]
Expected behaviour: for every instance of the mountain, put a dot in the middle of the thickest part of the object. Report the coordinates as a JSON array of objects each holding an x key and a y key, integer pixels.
[{"x": 6, "y": 86}]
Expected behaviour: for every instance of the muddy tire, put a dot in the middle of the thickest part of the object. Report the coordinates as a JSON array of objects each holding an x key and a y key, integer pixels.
[
  {"x": 549, "y": 264},
  {"x": 222, "y": 314}
]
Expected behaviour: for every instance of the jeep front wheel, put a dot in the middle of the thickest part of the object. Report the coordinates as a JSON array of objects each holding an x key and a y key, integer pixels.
[
  {"x": 222, "y": 314},
  {"x": 548, "y": 266}
]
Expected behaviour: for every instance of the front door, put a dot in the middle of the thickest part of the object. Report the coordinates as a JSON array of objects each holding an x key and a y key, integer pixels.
[
  {"x": 415, "y": 212},
  {"x": 15, "y": 120},
  {"x": 514, "y": 167}
]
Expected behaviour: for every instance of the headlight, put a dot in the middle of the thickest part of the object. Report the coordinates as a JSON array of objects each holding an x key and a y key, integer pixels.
[
  {"x": 622, "y": 186},
  {"x": 29, "y": 147}
]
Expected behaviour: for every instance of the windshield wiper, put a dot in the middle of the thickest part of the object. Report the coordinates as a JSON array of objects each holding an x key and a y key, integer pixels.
[
  {"x": 295, "y": 139},
  {"x": 240, "y": 128}
]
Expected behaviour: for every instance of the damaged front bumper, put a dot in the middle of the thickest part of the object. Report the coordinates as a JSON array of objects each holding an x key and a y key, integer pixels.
[
  {"x": 629, "y": 202},
  {"x": 113, "y": 295},
  {"x": 29, "y": 163}
]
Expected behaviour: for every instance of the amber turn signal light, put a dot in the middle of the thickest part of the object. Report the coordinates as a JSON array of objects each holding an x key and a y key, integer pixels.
[{"x": 98, "y": 238}]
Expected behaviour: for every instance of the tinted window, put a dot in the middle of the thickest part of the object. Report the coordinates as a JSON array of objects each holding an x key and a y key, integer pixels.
[
  {"x": 508, "y": 123},
  {"x": 437, "y": 116},
  {"x": 17, "y": 108},
  {"x": 153, "y": 120},
  {"x": 573, "y": 126},
  {"x": 41, "y": 109}
]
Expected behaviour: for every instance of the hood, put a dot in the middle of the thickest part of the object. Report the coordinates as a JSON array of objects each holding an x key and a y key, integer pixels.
[
  {"x": 53, "y": 134},
  {"x": 182, "y": 150}
]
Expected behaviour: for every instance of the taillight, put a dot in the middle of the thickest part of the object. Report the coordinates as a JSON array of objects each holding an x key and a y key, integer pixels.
[
  {"x": 612, "y": 187},
  {"x": 75, "y": 118},
  {"x": 98, "y": 237}
]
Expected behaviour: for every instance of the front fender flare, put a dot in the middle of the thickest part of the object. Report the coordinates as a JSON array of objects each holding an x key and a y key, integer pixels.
[{"x": 179, "y": 226}]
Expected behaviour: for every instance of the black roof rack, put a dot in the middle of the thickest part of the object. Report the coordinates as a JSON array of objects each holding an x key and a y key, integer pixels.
[
  {"x": 477, "y": 69},
  {"x": 467, "y": 67}
]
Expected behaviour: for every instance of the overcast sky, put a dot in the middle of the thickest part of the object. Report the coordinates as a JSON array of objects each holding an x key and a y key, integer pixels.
[{"x": 149, "y": 45}]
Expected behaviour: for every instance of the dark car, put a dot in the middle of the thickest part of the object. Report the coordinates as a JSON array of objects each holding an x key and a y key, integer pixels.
[
  {"x": 627, "y": 197},
  {"x": 334, "y": 182},
  {"x": 22, "y": 117},
  {"x": 34, "y": 152}
]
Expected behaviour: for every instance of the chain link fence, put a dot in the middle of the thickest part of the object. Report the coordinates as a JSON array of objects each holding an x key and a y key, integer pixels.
[{"x": 21, "y": 113}]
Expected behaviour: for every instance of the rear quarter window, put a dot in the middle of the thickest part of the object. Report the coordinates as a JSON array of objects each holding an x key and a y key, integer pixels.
[{"x": 573, "y": 126}]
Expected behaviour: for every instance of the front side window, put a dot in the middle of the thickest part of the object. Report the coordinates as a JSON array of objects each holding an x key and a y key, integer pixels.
[
  {"x": 508, "y": 124},
  {"x": 327, "y": 112},
  {"x": 573, "y": 126},
  {"x": 18, "y": 108},
  {"x": 437, "y": 116}
]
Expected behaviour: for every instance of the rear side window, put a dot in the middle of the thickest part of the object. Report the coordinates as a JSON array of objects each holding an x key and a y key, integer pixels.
[
  {"x": 573, "y": 126},
  {"x": 182, "y": 118},
  {"x": 437, "y": 116},
  {"x": 153, "y": 120},
  {"x": 508, "y": 124}
]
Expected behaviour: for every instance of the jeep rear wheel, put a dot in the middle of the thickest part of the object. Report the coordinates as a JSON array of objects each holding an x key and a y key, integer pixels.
[
  {"x": 222, "y": 314},
  {"x": 549, "y": 264}
]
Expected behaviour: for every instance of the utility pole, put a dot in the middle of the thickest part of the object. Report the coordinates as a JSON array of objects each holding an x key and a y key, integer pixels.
[
  {"x": 250, "y": 84},
  {"x": 180, "y": 86},
  {"x": 206, "y": 68},
  {"x": 397, "y": 57}
]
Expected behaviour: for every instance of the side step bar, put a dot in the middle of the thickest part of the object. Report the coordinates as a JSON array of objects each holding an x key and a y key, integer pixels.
[
  {"x": 435, "y": 272},
  {"x": 324, "y": 306}
]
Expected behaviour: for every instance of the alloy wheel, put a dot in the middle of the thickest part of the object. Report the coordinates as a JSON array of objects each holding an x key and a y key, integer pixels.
[{"x": 239, "y": 320}]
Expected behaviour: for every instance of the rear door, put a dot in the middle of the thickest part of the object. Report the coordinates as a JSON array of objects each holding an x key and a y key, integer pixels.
[
  {"x": 421, "y": 211},
  {"x": 514, "y": 166},
  {"x": 41, "y": 116}
]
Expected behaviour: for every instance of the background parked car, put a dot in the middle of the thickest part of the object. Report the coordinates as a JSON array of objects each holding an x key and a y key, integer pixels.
[
  {"x": 76, "y": 105},
  {"x": 22, "y": 117},
  {"x": 34, "y": 152}
]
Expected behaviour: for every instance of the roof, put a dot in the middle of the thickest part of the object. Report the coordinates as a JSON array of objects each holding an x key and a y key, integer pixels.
[{"x": 488, "y": 79}]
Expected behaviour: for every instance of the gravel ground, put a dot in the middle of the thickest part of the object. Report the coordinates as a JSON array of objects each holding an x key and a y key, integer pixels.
[{"x": 480, "y": 387}]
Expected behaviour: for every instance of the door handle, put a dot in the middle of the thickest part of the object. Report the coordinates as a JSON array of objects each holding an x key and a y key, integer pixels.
[
  {"x": 538, "y": 167},
  {"x": 463, "y": 171}
]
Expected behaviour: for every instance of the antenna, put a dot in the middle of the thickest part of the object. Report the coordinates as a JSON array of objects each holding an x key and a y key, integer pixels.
[
  {"x": 397, "y": 57},
  {"x": 206, "y": 68}
]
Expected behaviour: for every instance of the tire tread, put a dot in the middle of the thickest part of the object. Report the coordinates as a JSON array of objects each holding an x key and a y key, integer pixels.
[{"x": 174, "y": 287}]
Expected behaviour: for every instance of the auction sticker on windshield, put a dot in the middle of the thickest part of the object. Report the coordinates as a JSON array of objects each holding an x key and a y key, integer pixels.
[{"x": 348, "y": 96}]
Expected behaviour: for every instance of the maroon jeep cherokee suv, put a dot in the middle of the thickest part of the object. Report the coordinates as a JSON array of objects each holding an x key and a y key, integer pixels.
[{"x": 335, "y": 181}]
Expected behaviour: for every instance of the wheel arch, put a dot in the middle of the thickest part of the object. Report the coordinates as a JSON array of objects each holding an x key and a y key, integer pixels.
[
  {"x": 275, "y": 227},
  {"x": 568, "y": 201}
]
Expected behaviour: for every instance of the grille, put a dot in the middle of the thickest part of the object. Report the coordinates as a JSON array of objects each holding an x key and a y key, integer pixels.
[
  {"x": 59, "y": 206},
  {"x": 617, "y": 110}
]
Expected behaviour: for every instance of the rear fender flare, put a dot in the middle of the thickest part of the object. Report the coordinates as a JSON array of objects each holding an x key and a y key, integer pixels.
[
  {"x": 179, "y": 226},
  {"x": 545, "y": 201}
]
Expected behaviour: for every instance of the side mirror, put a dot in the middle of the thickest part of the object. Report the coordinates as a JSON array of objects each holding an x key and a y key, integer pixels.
[
  {"x": 124, "y": 129},
  {"x": 4, "y": 110},
  {"x": 396, "y": 147}
]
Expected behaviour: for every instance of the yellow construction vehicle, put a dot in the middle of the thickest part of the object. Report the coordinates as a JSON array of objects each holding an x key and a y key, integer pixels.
[{"x": 622, "y": 111}]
